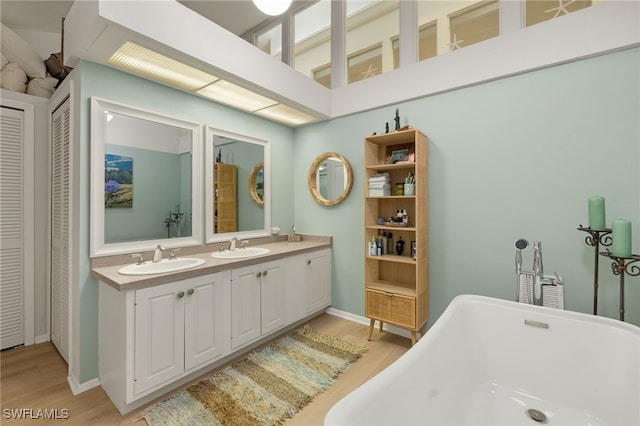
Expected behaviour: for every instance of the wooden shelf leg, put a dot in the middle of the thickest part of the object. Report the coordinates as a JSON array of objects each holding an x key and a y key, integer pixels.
[
  {"x": 371, "y": 324},
  {"x": 413, "y": 337},
  {"x": 380, "y": 326}
]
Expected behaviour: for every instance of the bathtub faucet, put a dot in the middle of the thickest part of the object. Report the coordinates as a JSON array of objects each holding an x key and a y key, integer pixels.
[
  {"x": 530, "y": 283},
  {"x": 537, "y": 273}
]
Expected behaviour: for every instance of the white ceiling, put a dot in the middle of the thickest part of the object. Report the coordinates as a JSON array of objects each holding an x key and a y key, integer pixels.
[{"x": 236, "y": 16}]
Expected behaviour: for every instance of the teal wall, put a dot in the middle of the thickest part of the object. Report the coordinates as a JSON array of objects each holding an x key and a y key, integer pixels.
[
  {"x": 515, "y": 157},
  {"x": 157, "y": 188},
  {"x": 107, "y": 83}
]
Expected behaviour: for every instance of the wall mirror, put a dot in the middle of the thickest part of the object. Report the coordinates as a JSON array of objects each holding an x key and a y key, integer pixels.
[
  {"x": 145, "y": 180},
  {"x": 330, "y": 178},
  {"x": 256, "y": 184},
  {"x": 236, "y": 165}
]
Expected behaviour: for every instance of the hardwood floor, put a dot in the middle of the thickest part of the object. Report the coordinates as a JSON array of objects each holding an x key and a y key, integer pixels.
[{"x": 35, "y": 377}]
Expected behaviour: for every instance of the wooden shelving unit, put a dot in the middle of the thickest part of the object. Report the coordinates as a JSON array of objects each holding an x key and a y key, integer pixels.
[
  {"x": 396, "y": 286},
  {"x": 225, "y": 218}
]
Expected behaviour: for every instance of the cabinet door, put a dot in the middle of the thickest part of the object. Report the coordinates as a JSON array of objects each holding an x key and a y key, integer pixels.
[
  {"x": 204, "y": 321},
  {"x": 272, "y": 296},
  {"x": 318, "y": 280},
  {"x": 392, "y": 308},
  {"x": 295, "y": 298},
  {"x": 245, "y": 305},
  {"x": 61, "y": 217},
  {"x": 159, "y": 335}
]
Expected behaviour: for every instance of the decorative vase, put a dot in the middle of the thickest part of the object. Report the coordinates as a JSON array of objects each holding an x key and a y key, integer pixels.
[{"x": 409, "y": 189}]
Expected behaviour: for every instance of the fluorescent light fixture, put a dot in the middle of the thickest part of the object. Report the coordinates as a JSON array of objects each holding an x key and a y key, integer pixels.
[
  {"x": 285, "y": 114},
  {"x": 272, "y": 7},
  {"x": 147, "y": 63},
  {"x": 235, "y": 96}
]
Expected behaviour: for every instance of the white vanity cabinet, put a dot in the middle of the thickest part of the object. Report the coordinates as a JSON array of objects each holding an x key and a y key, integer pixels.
[
  {"x": 257, "y": 301},
  {"x": 178, "y": 326},
  {"x": 153, "y": 339},
  {"x": 317, "y": 280},
  {"x": 308, "y": 283},
  {"x": 153, "y": 336}
]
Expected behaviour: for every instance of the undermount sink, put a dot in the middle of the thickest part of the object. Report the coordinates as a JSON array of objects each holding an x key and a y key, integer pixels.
[
  {"x": 240, "y": 253},
  {"x": 162, "y": 267}
]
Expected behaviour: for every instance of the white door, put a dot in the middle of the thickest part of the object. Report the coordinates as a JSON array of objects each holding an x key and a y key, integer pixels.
[
  {"x": 11, "y": 228},
  {"x": 318, "y": 280},
  {"x": 60, "y": 230},
  {"x": 245, "y": 305},
  {"x": 335, "y": 178},
  {"x": 204, "y": 320},
  {"x": 159, "y": 335},
  {"x": 272, "y": 296}
]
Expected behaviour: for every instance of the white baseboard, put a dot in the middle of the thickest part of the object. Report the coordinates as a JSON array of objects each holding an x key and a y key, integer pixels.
[
  {"x": 77, "y": 388},
  {"x": 41, "y": 339},
  {"x": 365, "y": 321}
]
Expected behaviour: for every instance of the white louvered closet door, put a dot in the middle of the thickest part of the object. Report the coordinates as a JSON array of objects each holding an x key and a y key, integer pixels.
[
  {"x": 60, "y": 201},
  {"x": 11, "y": 228}
]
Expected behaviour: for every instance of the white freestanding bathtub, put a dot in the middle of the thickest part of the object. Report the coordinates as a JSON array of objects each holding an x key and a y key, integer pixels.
[{"x": 494, "y": 362}]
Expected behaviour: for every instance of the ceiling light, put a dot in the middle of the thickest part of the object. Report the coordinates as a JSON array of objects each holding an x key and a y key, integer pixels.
[
  {"x": 147, "y": 63},
  {"x": 235, "y": 96},
  {"x": 272, "y": 7},
  {"x": 285, "y": 114}
]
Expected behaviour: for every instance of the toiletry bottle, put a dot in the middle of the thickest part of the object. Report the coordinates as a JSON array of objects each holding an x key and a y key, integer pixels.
[
  {"x": 405, "y": 218},
  {"x": 385, "y": 242},
  {"x": 372, "y": 246},
  {"x": 399, "y": 246}
]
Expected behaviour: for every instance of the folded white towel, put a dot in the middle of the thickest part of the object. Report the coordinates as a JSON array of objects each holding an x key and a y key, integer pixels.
[
  {"x": 379, "y": 186},
  {"x": 379, "y": 179}
]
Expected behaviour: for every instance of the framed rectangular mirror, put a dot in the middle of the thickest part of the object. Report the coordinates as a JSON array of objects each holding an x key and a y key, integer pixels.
[
  {"x": 146, "y": 181},
  {"x": 232, "y": 206}
]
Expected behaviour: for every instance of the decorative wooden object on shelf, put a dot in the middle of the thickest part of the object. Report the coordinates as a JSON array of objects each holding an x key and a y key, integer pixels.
[
  {"x": 225, "y": 218},
  {"x": 396, "y": 287}
]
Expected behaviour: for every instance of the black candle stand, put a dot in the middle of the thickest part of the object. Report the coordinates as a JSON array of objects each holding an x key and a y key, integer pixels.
[
  {"x": 622, "y": 266},
  {"x": 167, "y": 222},
  {"x": 177, "y": 219},
  {"x": 594, "y": 239}
]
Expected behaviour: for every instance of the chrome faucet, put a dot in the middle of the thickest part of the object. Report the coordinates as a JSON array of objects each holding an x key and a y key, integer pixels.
[
  {"x": 538, "y": 275},
  {"x": 157, "y": 254},
  {"x": 232, "y": 243},
  {"x": 530, "y": 284},
  {"x": 172, "y": 256}
]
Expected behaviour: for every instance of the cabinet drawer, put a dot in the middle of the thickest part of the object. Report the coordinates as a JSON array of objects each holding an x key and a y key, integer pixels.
[{"x": 392, "y": 308}]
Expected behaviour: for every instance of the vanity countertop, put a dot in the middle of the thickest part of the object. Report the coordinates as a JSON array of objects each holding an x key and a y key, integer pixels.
[{"x": 108, "y": 273}]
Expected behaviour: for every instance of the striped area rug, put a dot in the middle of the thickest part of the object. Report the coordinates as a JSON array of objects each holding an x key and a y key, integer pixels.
[{"x": 265, "y": 387}]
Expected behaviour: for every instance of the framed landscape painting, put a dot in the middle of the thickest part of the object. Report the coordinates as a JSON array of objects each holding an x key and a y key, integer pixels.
[{"x": 118, "y": 181}]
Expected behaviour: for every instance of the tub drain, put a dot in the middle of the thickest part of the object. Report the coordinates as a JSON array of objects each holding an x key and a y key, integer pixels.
[{"x": 537, "y": 415}]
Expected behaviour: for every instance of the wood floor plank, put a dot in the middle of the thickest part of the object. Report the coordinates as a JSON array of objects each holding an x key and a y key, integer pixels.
[{"x": 35, "y": 378}]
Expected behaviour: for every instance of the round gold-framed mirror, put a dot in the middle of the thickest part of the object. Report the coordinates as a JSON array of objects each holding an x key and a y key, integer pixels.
[
  {"x": 330, "y": 178},
  {"x": 256, "y": 184}
]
